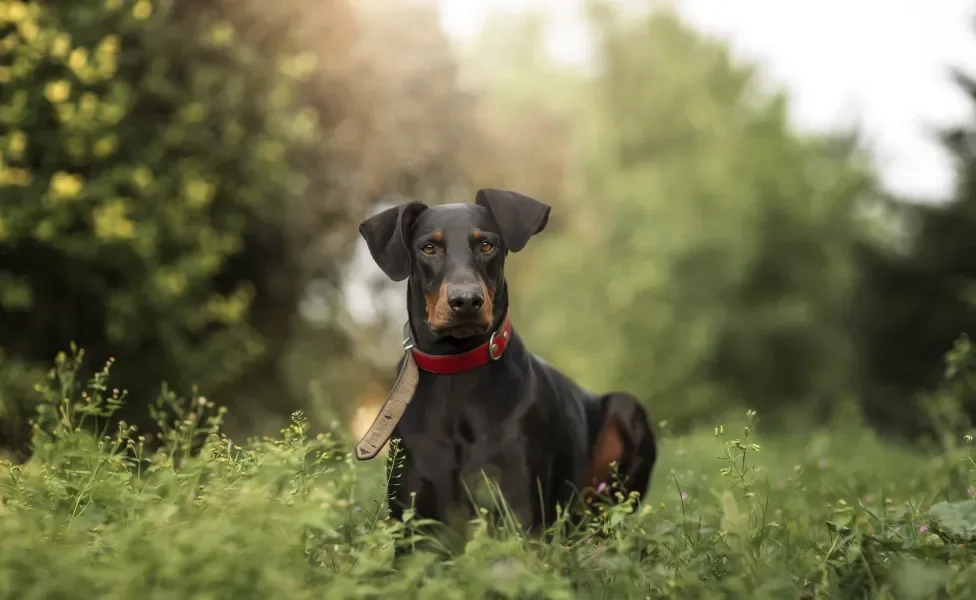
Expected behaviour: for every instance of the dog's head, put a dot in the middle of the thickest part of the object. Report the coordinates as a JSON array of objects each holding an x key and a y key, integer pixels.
[{"x": 455, "y": 253}]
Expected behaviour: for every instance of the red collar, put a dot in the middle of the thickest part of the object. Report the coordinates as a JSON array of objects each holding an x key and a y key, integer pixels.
[{"x": 449, "y": 364}]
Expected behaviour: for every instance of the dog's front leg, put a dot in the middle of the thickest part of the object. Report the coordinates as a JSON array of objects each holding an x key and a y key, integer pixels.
[
  {"x": 408, "y": 489},
  {"x": 504, "y": 490}
]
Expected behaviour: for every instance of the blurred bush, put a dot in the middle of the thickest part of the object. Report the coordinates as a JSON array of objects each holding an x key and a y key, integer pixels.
[
  {"x": 702, "y": 257},
  {"x": 917, "y": 294},
  {"x": 175, "y": 173},
  {"x": 704, "y": 254}
]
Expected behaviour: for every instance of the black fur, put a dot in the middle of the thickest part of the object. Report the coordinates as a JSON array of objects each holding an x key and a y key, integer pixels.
[{"x": 519, "y": 420}]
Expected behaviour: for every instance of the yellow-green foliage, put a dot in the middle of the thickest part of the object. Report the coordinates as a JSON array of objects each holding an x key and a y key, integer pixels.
[
  {"x": 157, "y": 175},
  {"x": 140, "y": 151}
]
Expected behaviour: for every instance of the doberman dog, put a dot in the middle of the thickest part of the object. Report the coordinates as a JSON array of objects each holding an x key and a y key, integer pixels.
[{"x": 483, "y": 406}]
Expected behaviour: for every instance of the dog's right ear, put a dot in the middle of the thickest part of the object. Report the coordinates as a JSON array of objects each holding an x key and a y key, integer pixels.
[
  {"x": 387, "y": 234},
  {"x": 518, "y": 216}
]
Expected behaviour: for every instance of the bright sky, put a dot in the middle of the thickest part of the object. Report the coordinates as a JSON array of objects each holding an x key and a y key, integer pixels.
[{"x": 881, "y": 64}]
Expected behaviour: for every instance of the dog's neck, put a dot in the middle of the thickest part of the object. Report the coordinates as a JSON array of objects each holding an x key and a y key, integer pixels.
[{"x": 428, "y": 343}]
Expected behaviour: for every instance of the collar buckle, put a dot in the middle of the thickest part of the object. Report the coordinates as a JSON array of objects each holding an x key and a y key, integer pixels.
[{"x": 496, "y": 349}]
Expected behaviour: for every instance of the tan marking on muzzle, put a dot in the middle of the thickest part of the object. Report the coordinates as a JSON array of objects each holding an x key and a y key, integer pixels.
[
  {"x": 487, "y": 315},
  {"x": 439, "y": 312}
]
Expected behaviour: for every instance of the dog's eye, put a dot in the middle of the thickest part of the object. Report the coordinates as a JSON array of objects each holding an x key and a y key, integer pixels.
[
  {"x": 487, "y": 246},
  {"x": 428, "y": 249}
]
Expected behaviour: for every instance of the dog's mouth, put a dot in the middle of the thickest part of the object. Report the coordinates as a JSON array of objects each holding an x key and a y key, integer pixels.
[{"x": 460, "y": 331}]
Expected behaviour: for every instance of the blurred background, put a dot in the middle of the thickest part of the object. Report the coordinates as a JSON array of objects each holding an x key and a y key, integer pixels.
[{"x": 756, "y": 204}]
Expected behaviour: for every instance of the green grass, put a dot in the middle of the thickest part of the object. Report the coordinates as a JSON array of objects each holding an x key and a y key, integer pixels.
[{"x": 829, "y": 514}]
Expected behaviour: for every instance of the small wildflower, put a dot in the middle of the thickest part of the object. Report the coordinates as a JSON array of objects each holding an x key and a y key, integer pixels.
[
  {"x": 869, "y": 499},
  {"x": 684, "y": 496},
  {"x": 57, "y": 91},
  {"x": 923, "y": 529},
  {"x": 60, "y": 46},
  {"x": 78, "y": 59},
  {"x": 601, "y": 487},
  {"x": 142, "y": 10},
  {"x": 822, "y": 463},
  {"x": 66, "y": 185},
  {"x": 972, "y": 492}
]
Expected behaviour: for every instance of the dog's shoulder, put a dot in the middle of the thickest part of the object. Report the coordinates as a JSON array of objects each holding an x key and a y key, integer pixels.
[
  {"x": 566, "y": 396},
  {"x": 569, "y": 407}
]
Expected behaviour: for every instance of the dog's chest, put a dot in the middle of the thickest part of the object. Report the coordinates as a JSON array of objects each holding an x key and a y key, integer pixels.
[{"x": 469, "y": 423}]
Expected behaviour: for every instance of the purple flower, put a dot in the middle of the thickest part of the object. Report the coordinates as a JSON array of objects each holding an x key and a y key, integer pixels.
[
  {"x": 972, "y": 492},
  {"x": 684, "y": 496},
  {"x": 898, "y": 529},
  {"x": 601, "y": 487},
  {"x": 923, "y": 529}
]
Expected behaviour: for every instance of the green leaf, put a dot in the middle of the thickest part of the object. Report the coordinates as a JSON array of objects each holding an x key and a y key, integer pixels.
[
  {"x": 918, "y": 579},
  {"x": 957, "y": 519}
]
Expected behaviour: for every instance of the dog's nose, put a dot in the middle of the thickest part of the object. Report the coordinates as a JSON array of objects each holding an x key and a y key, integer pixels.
[{"x": 465, "y": 300}]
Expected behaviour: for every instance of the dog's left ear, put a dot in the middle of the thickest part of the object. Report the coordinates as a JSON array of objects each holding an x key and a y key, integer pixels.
[
  {"x": 518, "y": 216},
  {"x": 387, "y": 234}
]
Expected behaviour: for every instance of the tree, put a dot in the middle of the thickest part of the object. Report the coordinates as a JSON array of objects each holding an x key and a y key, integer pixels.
[
  {"x": 706, "y": 263},
  {"x": 174, "y": 174},
  {"x": 914, "y": 301}
]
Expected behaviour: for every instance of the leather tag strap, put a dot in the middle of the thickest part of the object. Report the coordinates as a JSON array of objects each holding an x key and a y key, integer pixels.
[
  {"x": 396, "y": 403},
  {"x": 406, "y": 384}
]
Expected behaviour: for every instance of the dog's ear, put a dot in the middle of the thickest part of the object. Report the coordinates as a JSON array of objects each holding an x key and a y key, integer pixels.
[
  {"x": 387, "y": 234},
  {"x": 518, "y": 216}
]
